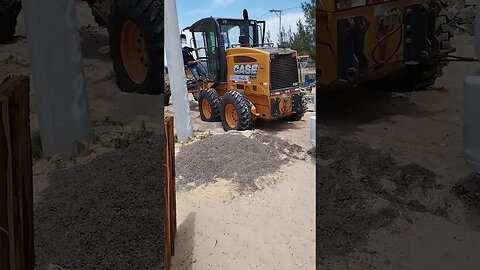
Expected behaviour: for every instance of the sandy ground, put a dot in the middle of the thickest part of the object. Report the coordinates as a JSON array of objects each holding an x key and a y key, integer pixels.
[
  {"x": 221, "y": 227},
  {"x": 422, "y": 131}
]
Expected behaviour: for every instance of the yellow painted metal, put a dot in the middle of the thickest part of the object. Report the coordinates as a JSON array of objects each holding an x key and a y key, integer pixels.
[{"x": 134, "y": 52}]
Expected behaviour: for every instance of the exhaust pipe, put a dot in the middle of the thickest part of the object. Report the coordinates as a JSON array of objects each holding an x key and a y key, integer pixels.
[{"x": 246, "y": 39}]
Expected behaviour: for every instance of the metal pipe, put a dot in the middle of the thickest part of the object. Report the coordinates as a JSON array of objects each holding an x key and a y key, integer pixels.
[
  {"x": 176, "y": 73},
  {"x": 279, "y": 14}
]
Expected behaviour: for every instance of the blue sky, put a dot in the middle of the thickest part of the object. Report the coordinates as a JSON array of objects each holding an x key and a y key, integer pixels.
[{"x": 189, "y": 11}]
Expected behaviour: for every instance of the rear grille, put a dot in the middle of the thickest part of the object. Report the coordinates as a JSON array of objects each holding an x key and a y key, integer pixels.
[{"x": 283, "y": 72}]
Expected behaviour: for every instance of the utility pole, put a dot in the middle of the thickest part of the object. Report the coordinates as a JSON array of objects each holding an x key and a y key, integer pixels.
[
  {"x": 176, "y": 73},
  {"x": 279, "y": 14},
  {"x": 57, "y": 75}
]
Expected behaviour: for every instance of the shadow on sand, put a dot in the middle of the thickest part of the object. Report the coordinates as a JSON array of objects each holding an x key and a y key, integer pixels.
[{"x": 184, "y": 244}]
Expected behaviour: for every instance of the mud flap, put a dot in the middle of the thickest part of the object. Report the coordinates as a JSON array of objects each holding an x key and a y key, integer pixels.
[
  {"x": 298, "y": 105},
  {"x": 275, "y": 108},
  {"x": 421, "y": 38},
  {"x": 352, "y": 63}
]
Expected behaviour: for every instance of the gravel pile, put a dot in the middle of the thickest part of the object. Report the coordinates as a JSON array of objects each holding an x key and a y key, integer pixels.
[
  {"x": 461, "y": 13},
  {"x": 468, "y": 191},
  {"x": 107, "y": 214},
  {"x": 291, "y": 150},
  {"x": 350, "y": 176},
  {"x": 228, "y": 156}
]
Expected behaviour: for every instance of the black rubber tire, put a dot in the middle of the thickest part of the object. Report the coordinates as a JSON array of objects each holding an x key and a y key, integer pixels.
[
  {"x": 211, "y": 96},
  {"x": 411, "y": 79},
  {"x": 295, "y": 117},
  {"x": 9, "y": 10},
  {"x": 195, "y": 96},
  {"x": 99, "y": 20},
  {"x": 242, "y": 106},
  {"x": 168, "y": 94},
  {"x": 166, "y": 101},
  {"x": 423, "y": 76},
  {"x": 148, "y": 15}
]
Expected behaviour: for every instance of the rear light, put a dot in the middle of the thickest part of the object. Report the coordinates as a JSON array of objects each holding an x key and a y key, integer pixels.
[
  {"x": 347, "y": 4},
  {"x": 272, "y": 56},
  {"x": 287, "y": 91}
]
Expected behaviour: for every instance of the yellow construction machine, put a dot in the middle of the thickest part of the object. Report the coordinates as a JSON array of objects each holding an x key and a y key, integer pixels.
[{"x": 247, "y": 78}]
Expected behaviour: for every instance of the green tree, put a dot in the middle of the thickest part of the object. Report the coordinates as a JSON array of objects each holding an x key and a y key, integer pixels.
[
  {"x": 303, "y": 39},
  {"x": 268, "y": 38},
  {"x": 287, "y": 36},
  {"x": 309, "y": 10},
  {"x": 298, "y": 40}
]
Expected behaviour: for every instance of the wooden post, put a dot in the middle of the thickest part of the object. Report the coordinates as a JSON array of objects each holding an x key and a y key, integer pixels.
[
  {"x": 16, "y": 188},
  {"x": 169, "y": 192},
  {"x": 4, "y": 201}
]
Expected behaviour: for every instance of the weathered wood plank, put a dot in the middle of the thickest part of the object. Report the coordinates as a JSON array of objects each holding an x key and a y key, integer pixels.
[
  {"x": 171, "y": 183},
  {"x": 17, "y": 161},
  {"x": 170, "y": 194},
  {"x": 4, "y": 224}
]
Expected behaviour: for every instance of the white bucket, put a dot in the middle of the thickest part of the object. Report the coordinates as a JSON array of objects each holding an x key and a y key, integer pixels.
[
  {"x": 313, "y": 122},
  {"x": 471, "y": 120}
]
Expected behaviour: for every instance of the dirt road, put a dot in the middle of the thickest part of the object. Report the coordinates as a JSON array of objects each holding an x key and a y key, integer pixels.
[
  {"x": 389, "y": 163},
  {"x": 246, "y": 201}
]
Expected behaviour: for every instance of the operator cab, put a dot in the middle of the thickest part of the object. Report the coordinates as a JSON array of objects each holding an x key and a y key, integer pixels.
[{"x": 217, "y": 35}]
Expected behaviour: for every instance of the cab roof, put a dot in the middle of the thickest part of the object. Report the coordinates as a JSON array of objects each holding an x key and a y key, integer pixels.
[{"x": 209, "y": 19}]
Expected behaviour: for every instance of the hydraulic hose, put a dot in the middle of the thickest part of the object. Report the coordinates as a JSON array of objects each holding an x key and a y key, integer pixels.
[{"x": 398, "y": 28}]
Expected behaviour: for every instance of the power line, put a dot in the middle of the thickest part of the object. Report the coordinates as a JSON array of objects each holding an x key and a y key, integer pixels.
[
  {"x": 292, "y": 8},
  {"x": 263, "y": 15},
  {"x": 279, "y": 14}
]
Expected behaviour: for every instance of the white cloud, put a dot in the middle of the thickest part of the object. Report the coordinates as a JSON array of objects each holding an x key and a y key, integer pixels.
[
  {"x": 289, "y": 20},
  {"x": 222, "y": 2},
  {"x": 199, "y": 11},
  {"x": 214, "y": 4}
]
